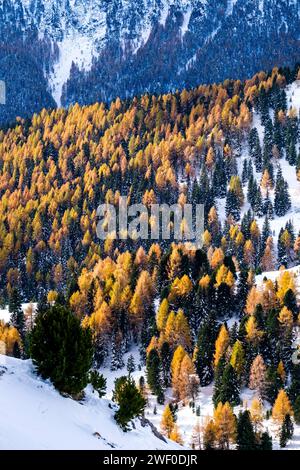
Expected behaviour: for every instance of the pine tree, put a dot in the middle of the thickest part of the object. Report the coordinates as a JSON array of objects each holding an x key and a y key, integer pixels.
[
  {"x": 162, "y": 314},
  {"x": 130, "y": 365},
  {"x": 183, "y": 385},
  {"x": 256, "y": 413},
  {"x": 282, "y": 201},
  {"x": 246, "y": 439},
  {"x": 265, "y": 441},
  {"x": 61, "y": 349},
  {"x": 287, "y": 430},
  {"x": 153, "y": 370},
  {"x": 130, "y": 400},
  {"x": 229, "y": 390},
  {"x": 175, "y": 435},
  {"x": 204, "y": 353},
  {"x": 221, "y": 344},
  {"x": 237, "y": 359},
  {"x": 17, "y": 315}
]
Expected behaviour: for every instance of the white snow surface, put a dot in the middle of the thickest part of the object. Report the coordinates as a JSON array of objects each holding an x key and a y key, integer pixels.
[
  {"x": 74, "y": 48},
  {"x": 186, "y": 20},
  {"x": 230, "y": 6},
  {"x": 34, "y": 416},
  {"x": 5, "y": 315}
]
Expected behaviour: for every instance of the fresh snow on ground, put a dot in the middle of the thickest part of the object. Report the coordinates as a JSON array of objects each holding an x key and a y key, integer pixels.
[
  {"x": 288, "y": 172},
  {"x": 5, "y": 315},
  {"x": 33, "y": 415},
  {"x": 186, "y": 416},
  {"x": 186, "y": 20},
  {"x": 77, "y": 49}
]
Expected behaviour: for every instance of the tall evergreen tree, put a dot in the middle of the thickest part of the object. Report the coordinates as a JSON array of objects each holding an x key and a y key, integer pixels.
[
  {"x": 282, "y": 202},
  {"x": 246, "y": 439},
  {"x": 287, "y": 431},
  {"x": 15, "y": 309},
  {"x": 204, "y": 352},
  {"x": 153, "y": 367},
  {"x": 61, "y": 349}
]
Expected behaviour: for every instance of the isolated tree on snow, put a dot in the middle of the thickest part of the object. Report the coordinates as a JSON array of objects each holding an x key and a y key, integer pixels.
[{"x": 61, "y": 349}]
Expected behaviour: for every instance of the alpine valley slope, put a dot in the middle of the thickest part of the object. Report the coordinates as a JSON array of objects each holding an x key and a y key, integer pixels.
[
  {"x": 34, "y": 416},
  {"x": 57, "y": 52}
]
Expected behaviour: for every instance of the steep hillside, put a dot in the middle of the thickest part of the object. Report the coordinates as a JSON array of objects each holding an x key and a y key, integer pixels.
[
  {"x": 208, "y": 335},
  {"x": 86, "y": 51},
  {"x": 34, "y": 416}
]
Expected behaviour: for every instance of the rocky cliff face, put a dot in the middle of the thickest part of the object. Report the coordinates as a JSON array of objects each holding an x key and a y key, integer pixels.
[{"x": 60, "y": 51}]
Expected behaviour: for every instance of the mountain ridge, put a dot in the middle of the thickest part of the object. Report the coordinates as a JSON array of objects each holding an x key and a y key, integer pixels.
[{"x": 74, "y": 51}]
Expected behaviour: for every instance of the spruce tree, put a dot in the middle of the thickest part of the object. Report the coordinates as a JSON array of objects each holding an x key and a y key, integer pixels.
[
  {"x": 219, "y": 371},
  {"x": 246, "y": 439},
  {"x": 98, "y": 382},
  {"x": 294, "y": 389},
  {"x": 153, "y": 366},
  {"x": 282, "y": 202},
  {"x": 130, "y": 400},
  {"x": 273, "y": 384},
  {"x": 232, "y": 205},
  {"x": 130, "y": 365},
  {"x": 204, "y": 353},
  {"x": 267, "y": 207},
  {"x": 287, "y": 431},
  {"x": 290, "y": 301},
  {"x": 265, "y": 441},
  {"x": 230, "y": 388},
  {"x": 61, "y": 349},
  {"x": 166, "y": 358},
  {"x": 15, "y": 309},
  {"x": 296, "y": 408}
]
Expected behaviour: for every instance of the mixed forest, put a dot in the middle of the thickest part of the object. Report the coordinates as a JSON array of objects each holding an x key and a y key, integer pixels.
[{"x": 197, "y": 317}]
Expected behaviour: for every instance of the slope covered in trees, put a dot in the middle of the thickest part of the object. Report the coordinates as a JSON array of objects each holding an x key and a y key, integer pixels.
[{"x": 197, "y": 316}]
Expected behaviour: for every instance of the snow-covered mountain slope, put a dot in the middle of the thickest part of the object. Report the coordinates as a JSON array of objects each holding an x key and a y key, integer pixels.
[
  {"x": 288, "y": 171},
  {"x": 33, "y": 415},
  {"x": 87, "y": 50}
]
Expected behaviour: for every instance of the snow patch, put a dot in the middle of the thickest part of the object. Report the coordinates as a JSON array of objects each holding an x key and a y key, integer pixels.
[
  {"x": 186, "y": 21},
  {"x": 261, "y": 6},
  {"x": 164, "y": 14},
  {"x": 77, "y": 49},
  {"x": 293, "y": 95},
  {"x": 230, "y": 6}
]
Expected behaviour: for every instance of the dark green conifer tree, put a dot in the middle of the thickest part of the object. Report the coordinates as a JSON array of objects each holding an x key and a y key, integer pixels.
[
  {"x": 61, "y": 349},
  {"x": 246, "y": 439}
]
